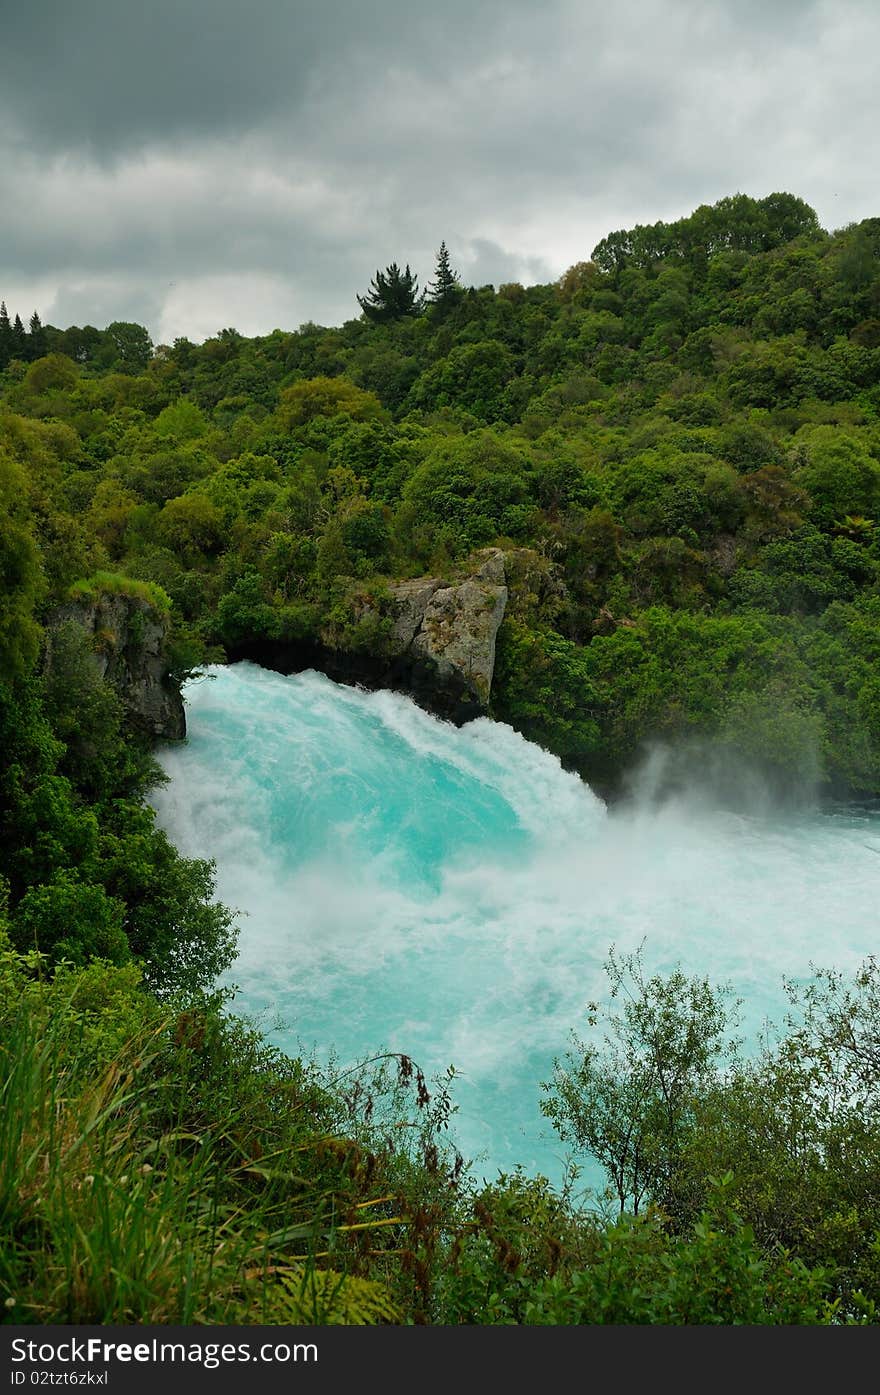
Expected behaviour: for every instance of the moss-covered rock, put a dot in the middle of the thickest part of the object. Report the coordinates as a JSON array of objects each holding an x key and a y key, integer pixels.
[{"x": 129, "y": 639}]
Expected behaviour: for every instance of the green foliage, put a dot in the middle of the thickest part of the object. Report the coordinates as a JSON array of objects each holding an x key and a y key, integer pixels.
[
  {"x": 543, "y": 688},
  {"x": 45, "y": 828},
  {"x": 514, "y": 1235},
  {"x": 717, "y": 1275},
  {"x": 117, "y": 584},
  {"x": 355, "y": 622},
  {"x": 245, "y": 613},
  {"x": 183, "y": 420},
  {"x": 469, "y": 490},
  {"x": 159, "y": 1165},
  {"x": 191, "y": 525},
  {"x": 54, "y": 373},
  {"x": 690, "y": 495},
  {"x": 183, "y": 938},
  {"x": 393, "y": 294},
  {"x": 677, "y": 445},
  {"x": 68, "y": 919},
  {"x": 793, "y": 1132},
  {"x": 89, "y": 875},
  {"x": 127, "y": 347},
  {"x": 472, "y": 378},
  {"x": 326, "y": 397},
  {"x": 799, "y": 1126},
  {"x": 760, "y": 685},
  {"x": 840, "y": 476},
  {"x": 629, "y": 1103},
  {"x": 738, "y": 224},
  {"x": 445, "y": 288},
  {"x": 304, "y": 1295},
  {"x": 803, "y": 574},
  {"x": 524, "y": 1255},
  {"x": 20, "y": 575}
]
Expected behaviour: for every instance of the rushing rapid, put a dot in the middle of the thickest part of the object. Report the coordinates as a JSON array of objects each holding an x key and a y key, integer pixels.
[{"x": 453, "y": 894}]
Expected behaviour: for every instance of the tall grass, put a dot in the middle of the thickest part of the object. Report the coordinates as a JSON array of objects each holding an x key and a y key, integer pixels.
[
  {"x": 115, "y": 1209},
  {"x": 101, "y": 1221},
  {"x": 115, "y": 584}
]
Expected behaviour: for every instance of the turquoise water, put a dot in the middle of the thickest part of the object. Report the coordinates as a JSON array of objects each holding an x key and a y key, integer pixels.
[{"x": 453, "y": 893}]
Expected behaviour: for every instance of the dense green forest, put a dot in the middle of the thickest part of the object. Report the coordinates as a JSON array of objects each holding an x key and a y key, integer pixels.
[{"x": 678, "y": 446}]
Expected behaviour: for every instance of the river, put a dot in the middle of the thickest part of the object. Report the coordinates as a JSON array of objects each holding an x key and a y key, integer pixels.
[{"x": 453, "y": 893}]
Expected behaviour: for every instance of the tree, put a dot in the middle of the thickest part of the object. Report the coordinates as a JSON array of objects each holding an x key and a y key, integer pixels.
[
  {"x": 71, "y": 919},
  {"x": 469, "y": 490},
  {"x": 472, "y": 377},
  {"x": 37, "y": 346},
  {"x": 54, "y": 373},
  {"x": 630, "y": 1101},
  {"x": 19, "y": 339},
  {"x": 302, "y": 402},
  {"x": 21, "y": 579},
  {"x": 127, "y": 347},
  {"x": 393, "y": 295},
  {"x": 798, "y": 1130},
  {"x": 191, "y": 525},
  {"x": 446, "y": 287},
  {"x": 840, "y": 474},
  {"x": 5, "y": 335}
]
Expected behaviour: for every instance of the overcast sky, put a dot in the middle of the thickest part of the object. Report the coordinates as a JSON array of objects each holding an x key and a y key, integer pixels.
[{"x": 192, "y": 164}]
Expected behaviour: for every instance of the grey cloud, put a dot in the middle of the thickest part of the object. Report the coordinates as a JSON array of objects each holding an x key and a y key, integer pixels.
[
  {"x": 107, "y": 75},
  {"x": 198, "y": 159},
  {"x": 98, "y": 303},
  {"x": 485, "y": 263}
]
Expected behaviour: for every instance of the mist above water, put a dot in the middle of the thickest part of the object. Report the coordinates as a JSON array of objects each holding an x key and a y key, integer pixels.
[{"x": 453, "y": 893}]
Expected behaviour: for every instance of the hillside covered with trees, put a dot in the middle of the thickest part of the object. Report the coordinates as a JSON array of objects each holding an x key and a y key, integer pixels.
[{"x": 678, "y": 445}]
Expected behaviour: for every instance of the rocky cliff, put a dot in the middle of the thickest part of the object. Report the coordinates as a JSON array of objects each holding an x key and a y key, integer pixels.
[
  {"x": 443, "y": 637},
  {"x": 432, "y": 637},
  {"x": 129, "y": 639}
]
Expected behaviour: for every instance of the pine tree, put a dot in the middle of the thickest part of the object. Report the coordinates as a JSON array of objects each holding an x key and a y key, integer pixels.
[
  {"x": 37, "y": 343},
  {"x": 5, "y": 336},
  {"x": 446, "y": 287},
  {"x": 392, "y": 295},
  {"x": 19, "y": 339}
]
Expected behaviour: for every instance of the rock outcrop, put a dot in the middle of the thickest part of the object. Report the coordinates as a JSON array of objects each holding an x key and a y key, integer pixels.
[
  {"x": 443, "y": 637},
  {"x": 129, "y": 637},
  {"x": 434, "y": 638}
]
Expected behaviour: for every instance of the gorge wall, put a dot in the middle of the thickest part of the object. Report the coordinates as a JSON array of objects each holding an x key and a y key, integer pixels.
[{"x": 128, "y": 637}]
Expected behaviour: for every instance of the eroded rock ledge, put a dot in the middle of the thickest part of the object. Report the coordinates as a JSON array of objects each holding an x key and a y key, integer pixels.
[
  {"x": 444, "y": 636},
  {"x": 437, "y": 641}
]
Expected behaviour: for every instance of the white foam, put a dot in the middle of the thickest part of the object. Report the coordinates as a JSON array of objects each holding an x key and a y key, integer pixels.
[{"x": 489, "y": 961}]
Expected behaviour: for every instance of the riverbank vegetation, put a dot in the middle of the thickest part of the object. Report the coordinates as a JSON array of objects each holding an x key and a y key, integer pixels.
[{"x": 678, "y": 446}]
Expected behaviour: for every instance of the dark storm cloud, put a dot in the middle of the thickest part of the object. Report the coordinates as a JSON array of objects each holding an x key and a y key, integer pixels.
[
  {"x": 195, "y": 163},
  {"x": 117, "y": 75}
]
